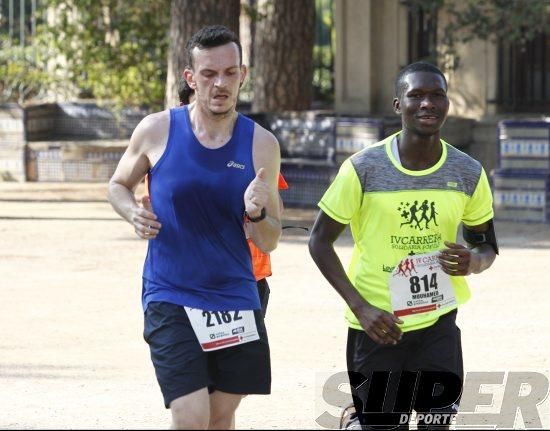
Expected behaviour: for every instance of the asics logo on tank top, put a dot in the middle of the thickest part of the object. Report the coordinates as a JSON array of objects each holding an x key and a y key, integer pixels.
[{"x": 232, "y": 164}]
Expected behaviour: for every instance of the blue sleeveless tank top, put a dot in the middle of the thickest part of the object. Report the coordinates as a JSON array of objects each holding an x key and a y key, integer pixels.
[{"x": 201, "y": 258}]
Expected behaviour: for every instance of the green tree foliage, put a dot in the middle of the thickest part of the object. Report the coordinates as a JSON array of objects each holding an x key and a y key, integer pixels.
[
  {"x": 22, "y": 73},
  {"x": 511, "y": 21},
  {"x": 323, "y": 51},
  {"x": 112, "y": 49}
]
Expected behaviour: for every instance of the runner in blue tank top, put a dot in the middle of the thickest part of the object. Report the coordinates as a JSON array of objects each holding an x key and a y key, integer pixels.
[{"x": 209, "y": 168}]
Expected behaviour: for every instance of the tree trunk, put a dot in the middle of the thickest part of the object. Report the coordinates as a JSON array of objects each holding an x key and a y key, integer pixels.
[
  {"x": 283, "y": 61},
  {"x": 187, "y": 17},
  {"x": 247, "y": 31}
]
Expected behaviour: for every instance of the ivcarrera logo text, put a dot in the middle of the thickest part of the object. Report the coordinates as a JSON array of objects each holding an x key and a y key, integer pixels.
[{"x": 414, "y": 242}]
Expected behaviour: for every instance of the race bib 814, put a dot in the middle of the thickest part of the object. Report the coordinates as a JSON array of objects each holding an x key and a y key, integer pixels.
[{"x": 419, "y": 285}]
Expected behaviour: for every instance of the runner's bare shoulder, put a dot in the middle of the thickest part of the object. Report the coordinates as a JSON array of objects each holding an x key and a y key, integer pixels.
[
  {"x": 151, "y": 134},
  {"x": 266, "y": 149}
]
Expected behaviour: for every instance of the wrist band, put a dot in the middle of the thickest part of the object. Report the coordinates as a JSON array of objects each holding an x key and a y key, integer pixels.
[{"x": 256, "y": 219}]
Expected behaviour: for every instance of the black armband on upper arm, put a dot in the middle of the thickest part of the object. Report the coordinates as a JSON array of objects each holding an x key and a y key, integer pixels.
[{"x": 478, "y": 238}]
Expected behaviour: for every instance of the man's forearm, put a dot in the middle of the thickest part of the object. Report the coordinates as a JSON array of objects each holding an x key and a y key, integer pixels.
[
  {"x": 485, "y": 256},
  {"x": 122, "y": 200},
  {"x": 329, "y": 264},
  {"x": 266, "y": 233}
]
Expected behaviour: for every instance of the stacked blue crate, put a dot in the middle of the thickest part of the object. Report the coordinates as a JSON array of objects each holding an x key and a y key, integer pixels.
[
  {"x": 355, "y": 134},
  {"x": 522, "y": 181},
  {"x": 75, "y": 142},
  {"x": 313, "y": 146},
  {"x": 308, "y": 157}
]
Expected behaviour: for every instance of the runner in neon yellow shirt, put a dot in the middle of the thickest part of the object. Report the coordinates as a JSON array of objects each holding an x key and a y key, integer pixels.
[{"x": 404, "y": 199}]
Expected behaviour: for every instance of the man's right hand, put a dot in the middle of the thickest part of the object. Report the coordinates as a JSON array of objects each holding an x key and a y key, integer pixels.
[
  {"x": 379, "y": 325},
  {"x": 145, "y": 221}
]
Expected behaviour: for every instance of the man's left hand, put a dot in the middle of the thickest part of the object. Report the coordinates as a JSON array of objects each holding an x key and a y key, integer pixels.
[
  {"x": 458, "y": 259},
  {"x": 256, "y": 195}
]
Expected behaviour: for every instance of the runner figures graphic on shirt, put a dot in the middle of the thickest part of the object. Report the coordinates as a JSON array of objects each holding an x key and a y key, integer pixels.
[
  {"x": 405, "y": 266},
  {"x": 432, "y": 214},
  {"x": 424, "y": 216},
  {"x": 410, "y": 265},
  {"x": 401, "y": 268},
  {"x": 410, "y": 213}
]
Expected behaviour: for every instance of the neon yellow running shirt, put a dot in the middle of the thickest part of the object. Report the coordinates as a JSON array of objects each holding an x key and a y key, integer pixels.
[{"x": 394, "y": 212}]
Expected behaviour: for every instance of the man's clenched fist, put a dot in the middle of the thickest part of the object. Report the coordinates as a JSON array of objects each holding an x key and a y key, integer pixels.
[{"x": 256, "y": 195}]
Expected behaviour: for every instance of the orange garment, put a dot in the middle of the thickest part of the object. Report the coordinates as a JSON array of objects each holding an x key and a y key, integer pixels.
[
  {"x": 261, "y": 262},
  {"x": 282, "y": 182}
]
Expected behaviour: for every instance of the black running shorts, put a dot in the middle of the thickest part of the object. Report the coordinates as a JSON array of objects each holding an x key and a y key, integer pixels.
[
  {"x": 423, "y": 371},
  {"x": 182, "y": 367},
  {"x": 263, "y": 292}
]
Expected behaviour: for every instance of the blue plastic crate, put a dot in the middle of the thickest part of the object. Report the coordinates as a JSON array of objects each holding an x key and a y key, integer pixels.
[
  {"x": 354, "y": 134},
  {"x": 522, "y": 195},
  {"x": 307, "y": 183},
  {"x": 524, "y": 144},
  {"x": 304, "y": 136}
]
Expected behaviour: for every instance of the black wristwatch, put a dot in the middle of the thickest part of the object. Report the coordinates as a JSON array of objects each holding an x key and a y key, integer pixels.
[{"x": 255, "y": 219}]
